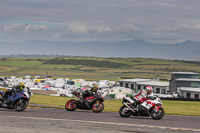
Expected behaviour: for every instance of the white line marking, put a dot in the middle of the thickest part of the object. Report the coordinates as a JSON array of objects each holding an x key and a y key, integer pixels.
[{"x": 110, "y": 123}]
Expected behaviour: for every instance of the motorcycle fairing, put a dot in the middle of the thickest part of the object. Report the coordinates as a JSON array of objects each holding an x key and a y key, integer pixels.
[
  {"x": 84, "y": 105},
  {"x": 13, "y": 98},
  {"x": 88, "y": 102}
]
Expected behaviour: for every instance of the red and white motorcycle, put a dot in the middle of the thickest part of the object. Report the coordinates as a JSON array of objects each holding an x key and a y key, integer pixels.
[{"x": 154, "y": 104}]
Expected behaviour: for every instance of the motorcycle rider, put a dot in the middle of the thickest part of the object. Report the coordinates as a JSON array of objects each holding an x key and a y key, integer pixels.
[
  {"x": 90, "y": 92},
  {"x": 94, "y": 89},
  {"x": 19, "y": 88},
  {"x": 142, "y": 98},
  {"x": 86, "y": 92}
]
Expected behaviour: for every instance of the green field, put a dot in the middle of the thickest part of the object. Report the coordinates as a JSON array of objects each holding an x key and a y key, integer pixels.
[
  {"x": 171, "y": 107},
  {"x": 97, "y": 68}
]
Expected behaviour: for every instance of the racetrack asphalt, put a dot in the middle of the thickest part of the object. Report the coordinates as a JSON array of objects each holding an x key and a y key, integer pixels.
[{"x": 59, "y": 120}]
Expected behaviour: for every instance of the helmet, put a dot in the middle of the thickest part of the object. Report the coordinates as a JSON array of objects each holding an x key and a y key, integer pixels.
[
  {"x": 148, "y": 89},
  {"x": 95, "y": 87},
  {"x": 21, "y": 85}
]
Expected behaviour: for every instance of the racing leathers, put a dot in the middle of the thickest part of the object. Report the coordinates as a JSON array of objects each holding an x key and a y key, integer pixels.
[
  {"x": 144, "y": 102},
  {"x": 141, "y": 97},
  {"x": 87, "y": 92}
]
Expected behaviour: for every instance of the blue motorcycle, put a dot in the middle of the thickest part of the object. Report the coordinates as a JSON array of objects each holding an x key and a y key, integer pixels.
[{"x": 17, "y": 100}]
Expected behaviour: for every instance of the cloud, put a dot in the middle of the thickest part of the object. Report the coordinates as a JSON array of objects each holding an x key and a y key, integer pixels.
[
  {"x": 151, "y": 20},
  {"x": 196, "y": 26},
  {"x": 104, "y": 29},
  {"x": 23, "y": 27},
  {"x": 169, "y": 4},
  {"x": 35, "y": 27},
  {"x": 14, "y": 27},
  {"x": 192, "y": 27},
  {"x": 77, "y": 29}
]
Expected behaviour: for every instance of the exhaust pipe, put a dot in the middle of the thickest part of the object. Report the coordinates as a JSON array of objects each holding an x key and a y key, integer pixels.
[{"x": 128, "y": 107}]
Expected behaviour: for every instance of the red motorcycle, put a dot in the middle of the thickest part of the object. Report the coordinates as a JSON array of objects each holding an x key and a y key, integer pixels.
[{"x": 86, "y": 102}]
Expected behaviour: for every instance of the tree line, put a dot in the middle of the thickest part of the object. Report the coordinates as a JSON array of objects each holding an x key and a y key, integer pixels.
[{"x": 89, "y": 63}]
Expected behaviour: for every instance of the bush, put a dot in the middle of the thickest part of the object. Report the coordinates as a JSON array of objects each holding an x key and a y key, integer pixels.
[
  {"x": 4, "y": 58},
  {"x": 89, "y": 63}
]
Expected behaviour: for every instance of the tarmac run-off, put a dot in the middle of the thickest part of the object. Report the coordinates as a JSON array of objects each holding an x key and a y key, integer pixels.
[{"x": 43, "y": 120}]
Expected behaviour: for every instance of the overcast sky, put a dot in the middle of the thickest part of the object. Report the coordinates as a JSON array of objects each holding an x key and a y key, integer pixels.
[{"x": 160, "y": 21}]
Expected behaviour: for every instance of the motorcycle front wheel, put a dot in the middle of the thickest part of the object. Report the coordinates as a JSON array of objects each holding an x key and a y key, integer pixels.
[
  {"x": 97, "y": 107},
  {"x": 158, "y": 115},
  {"x": 21, "y": 105},
  {"x": 125, "y": 111},
  {"x": 71, "y": 105}
]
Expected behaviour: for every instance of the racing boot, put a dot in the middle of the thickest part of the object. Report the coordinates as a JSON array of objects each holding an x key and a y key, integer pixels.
[{"x": 4, "y": 105}]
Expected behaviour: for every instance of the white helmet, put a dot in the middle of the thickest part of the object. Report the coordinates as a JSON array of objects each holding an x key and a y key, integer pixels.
[{"x": 149, "y": 90}]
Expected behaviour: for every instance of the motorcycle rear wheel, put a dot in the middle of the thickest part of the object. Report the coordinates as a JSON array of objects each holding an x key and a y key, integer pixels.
[
  {"x": 21, "y": 105},
  {"x": 97, "y": 108},
  {"x": 125, "y": 111},
  {"x": 69, "y": 106},
  {"x": 158, "y": 116}
]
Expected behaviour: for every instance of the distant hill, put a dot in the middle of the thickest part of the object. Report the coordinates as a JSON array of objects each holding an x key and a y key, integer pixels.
[{"x": 187, "y": 50}]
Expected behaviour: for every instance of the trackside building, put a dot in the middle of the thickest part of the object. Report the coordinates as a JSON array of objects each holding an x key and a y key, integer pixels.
[
  {"x": 183, "y": 79},
  {"x": 138, "y": 84},
  {"x": 186, "y": 92},
  {"x": 181, "y": 84}
]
